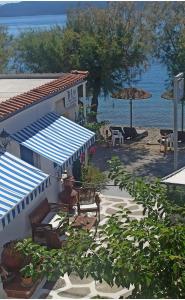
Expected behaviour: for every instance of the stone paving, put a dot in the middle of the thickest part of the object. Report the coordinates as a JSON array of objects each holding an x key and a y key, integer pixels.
[
  {"x": 75, "y": 288},
  {"x": 141, "y": 158}
]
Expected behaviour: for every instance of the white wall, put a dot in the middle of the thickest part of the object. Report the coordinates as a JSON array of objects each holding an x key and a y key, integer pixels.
[
  {"x": 20, "y": 227},
  {"x": 48, "y": 168},
  {"x": 14, "y": 148}
]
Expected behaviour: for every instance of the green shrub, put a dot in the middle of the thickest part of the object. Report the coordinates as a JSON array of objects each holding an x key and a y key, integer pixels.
[{"x": 93, "y": 177}]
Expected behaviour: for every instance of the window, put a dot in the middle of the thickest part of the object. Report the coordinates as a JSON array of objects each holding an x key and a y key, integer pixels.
[
  {"x": 74, "y": 92},
  {"x": 26, "y": 155},
  {"x": 60, "y": 105},
  {"x": 64, "y": 101},
  {"x": 68, "y": 94},
  {"x": 30, "y": 157}
]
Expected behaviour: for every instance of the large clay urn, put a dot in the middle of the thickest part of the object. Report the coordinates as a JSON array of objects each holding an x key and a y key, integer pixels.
[{"x": 11, "y": 258}]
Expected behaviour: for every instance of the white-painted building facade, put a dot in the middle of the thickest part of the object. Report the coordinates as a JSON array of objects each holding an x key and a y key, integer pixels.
[{"x": 25, "y": 99}]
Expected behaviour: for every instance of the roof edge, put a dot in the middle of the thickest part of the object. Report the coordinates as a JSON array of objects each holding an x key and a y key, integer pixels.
[
  {"x": 43, "y": 98},
  {"x": 40, "y": 75},
  {"x": 31, "y": 75},
  {"x": 85, "y": 73}
]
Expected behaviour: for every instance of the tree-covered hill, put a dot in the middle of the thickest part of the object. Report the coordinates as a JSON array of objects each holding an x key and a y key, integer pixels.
[{"x": 31, "y": 8}]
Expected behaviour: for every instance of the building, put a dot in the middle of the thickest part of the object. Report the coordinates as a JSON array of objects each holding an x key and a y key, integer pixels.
[
  {"x": 38, "y": 113},
  {"x": 25, "y": 98}
]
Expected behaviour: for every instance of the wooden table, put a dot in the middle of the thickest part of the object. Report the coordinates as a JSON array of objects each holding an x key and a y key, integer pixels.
[
  {"x": 14, "y": 289},
  {"x": 84, "y": 222}
]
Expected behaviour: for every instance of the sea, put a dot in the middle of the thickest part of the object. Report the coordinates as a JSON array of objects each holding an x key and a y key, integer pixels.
[{"x": 154, "y": 112}]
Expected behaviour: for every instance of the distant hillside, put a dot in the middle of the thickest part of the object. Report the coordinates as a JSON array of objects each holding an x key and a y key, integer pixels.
[{"x": 32, "y": 8}]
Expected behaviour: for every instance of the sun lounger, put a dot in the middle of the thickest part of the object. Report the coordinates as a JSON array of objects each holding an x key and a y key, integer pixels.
[{"x": 133, "y": 134}]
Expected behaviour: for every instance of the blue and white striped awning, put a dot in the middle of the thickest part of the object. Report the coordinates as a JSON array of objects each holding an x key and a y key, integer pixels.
[
  {"x": 20, "y": 183},
  {"x": 56, "y": 138}
]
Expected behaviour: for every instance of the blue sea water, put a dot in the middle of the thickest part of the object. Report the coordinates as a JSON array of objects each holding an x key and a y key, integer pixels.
[
  {"x": 154, "y": 112},
  {"x": 17, "y": 24}
]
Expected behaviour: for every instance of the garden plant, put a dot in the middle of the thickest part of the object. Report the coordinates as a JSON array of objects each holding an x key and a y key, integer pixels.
[{"x": 145, "y": 255}]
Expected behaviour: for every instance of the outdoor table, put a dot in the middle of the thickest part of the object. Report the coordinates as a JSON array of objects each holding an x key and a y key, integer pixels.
[{"x": 84, "y": 222}]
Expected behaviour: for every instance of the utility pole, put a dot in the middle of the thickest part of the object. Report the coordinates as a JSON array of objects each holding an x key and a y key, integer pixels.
[
  {"x": 84, "y": 102},
  {"x": 178, "y": 95}
]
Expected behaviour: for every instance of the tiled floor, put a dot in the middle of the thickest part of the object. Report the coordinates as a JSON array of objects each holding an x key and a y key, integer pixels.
[{"x": 73, "y": 287}]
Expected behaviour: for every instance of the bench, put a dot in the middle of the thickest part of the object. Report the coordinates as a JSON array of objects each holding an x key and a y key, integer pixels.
[{"x": 43, "y": 218}]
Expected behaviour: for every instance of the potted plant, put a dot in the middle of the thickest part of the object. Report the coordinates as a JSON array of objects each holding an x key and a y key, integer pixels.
[
  {"x": 11, "y": 257},
  {"x": 29, "y": 274},
  {"x": 93, "y": 177}
]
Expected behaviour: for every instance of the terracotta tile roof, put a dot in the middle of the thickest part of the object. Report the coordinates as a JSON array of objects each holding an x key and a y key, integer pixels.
[{"x": 18, "y": 103}]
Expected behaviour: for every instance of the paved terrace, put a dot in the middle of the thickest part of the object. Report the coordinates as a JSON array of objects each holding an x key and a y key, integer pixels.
[
  {"x": 142, "y": 158},
  {"x": 72, "y": 286}
]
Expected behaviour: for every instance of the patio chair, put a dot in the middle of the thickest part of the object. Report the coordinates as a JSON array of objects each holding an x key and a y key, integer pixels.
[
  {"x": 117, "y": 135},
  {"x": 118, "y": 128},
  {"x": 168, "y": 132},
  {"x": 165, "y": 132},
  {"x": 88, "y": 201},
  {"x": 181, "y": 136}
]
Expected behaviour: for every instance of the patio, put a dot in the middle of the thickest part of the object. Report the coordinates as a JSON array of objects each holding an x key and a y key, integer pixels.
[
  {"x": 143, "y": 157},
  {"x": 72, "y": 286}
]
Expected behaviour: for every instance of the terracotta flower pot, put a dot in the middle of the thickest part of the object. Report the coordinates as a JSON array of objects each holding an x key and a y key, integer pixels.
[{"x": 26, "y": 281}]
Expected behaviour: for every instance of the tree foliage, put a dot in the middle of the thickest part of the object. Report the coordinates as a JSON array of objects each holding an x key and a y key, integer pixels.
[
  {"x": 4, "y": 48},
  {"x": 166, "y": 24},
  {"x": 109, "y": 43},
  {"x": 53, "y": 50},
  {"x": 146, "y": 255},
  {"x": 114, "y": 51}
]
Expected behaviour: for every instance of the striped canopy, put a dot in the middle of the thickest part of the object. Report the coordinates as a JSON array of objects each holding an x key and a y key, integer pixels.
[
  {"x": 20, "y": 183},
  {"x": 56, "y": 138}
]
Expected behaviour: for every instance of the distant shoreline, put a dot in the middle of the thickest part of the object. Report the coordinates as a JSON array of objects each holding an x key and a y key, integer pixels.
[
  {"x": 35, "y": 15},
  {"x": 40, "y": 8}
]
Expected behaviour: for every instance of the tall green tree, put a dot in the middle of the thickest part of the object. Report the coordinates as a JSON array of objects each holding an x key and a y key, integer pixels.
[
  {"x": 113, "y": 49},
  {"x": 52, "y": 50},
  {"x": 166, "y": 23},
  {"x": 109, "y": 43},
  {"x": 5, "y": 49}
]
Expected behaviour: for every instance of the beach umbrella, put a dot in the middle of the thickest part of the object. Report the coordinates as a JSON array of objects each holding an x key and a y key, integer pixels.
[
  {"x": 168, "y": 95},
  {"x": 131, "y": 94}
]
